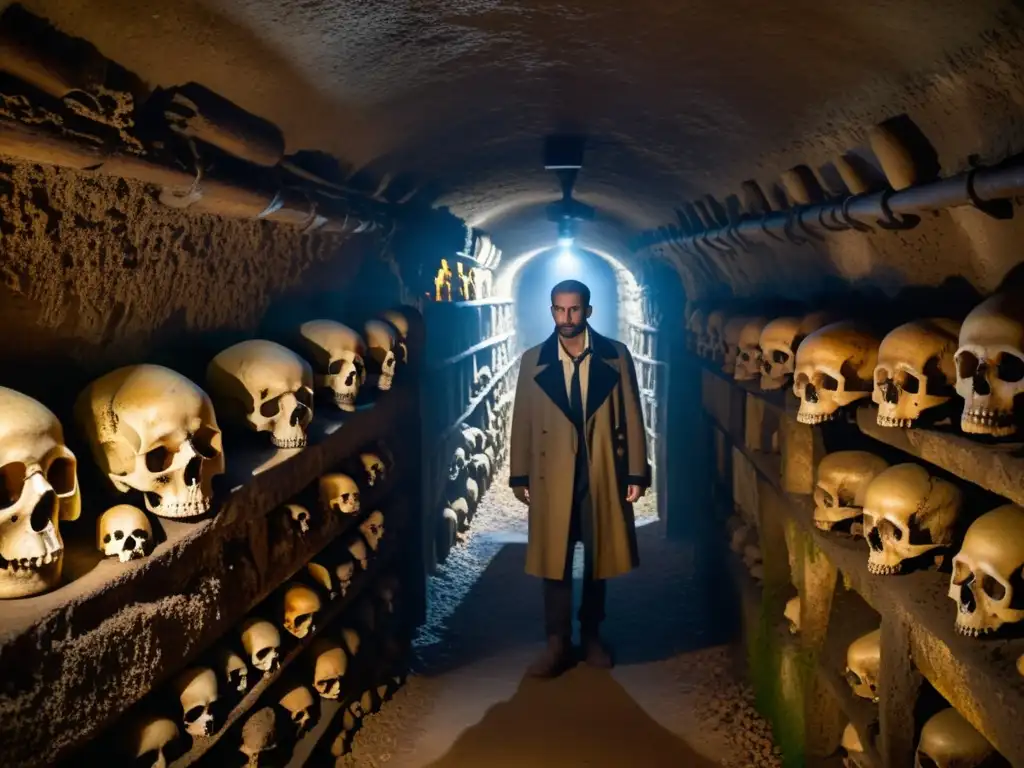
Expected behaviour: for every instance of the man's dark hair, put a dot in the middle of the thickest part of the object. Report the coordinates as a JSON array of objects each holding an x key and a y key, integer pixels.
[{"x": 572, "y": 286}]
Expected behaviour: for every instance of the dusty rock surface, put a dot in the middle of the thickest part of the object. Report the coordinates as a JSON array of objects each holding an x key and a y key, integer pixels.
[{"x": 674, "y": 698}]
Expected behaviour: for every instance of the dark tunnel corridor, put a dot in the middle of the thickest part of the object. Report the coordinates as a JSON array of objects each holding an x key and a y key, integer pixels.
[{"x": 304, "y": 462}]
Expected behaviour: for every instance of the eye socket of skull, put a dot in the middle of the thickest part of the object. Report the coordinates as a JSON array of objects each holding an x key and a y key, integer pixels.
[
  {"x": 305, "y": 397},
  {"x": 1011, "y": 368},
  {"x": 780, "y": 357},
  {"x": 967, "y": 364},
  {"x": 61, "y": 475},
  {"x": 826, "y": 382},
  {"x": 924, "y": 761},
  {"x": 206, "y": 442},
  {"x": 853, "y": 678},
  {"x": 962, "y": 573},
  {"x": 195, "y": 713},
  {"x": 271, "y": 407},
  {"x": 302, "y": 619},
  {"x": 888, "y": 527},
  {"x": 908, "y": 382},
  {"x": 263, "y": 653},
  {"x": 12, "y": 483},
  {"x": 159, "y": 459},
  {"x": 140, "y": 534},
  {"x": 993, "y": 588}
]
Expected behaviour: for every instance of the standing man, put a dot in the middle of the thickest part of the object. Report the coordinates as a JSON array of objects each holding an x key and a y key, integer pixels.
[{"x": 578, "y": 458}]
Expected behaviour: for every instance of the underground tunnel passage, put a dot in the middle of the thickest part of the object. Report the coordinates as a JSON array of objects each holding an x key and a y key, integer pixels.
[{"x": 304, "y": 460}]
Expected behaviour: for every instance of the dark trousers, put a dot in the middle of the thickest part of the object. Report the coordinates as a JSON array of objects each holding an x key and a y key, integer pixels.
[{"x": 558, "y": 592}]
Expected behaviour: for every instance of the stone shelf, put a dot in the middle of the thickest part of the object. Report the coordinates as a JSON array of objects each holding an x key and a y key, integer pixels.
[
  {"x": 780, "y": 400},
  {"x": 998, "y": 467},
  {"x": 861, "y": 712},
  {"x": 324, "y": 620},
  {"x": 74, "y": 659},
  {"x": 477, "y": 401},
  {"x": 976, "y": 676},
  {"x": 482, "y": 346}
]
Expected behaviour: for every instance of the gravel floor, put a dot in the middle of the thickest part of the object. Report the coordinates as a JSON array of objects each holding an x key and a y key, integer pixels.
[{"x": 672, "y": 700}]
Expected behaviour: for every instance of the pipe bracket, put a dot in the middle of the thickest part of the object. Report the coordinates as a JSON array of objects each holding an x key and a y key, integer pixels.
[
  {"x": 890, "y": 220},
  {"x": 787, "y": 228},
  {"x": 764, "y": 228},
  {"x": 798, "y": 217},
  {"x": 997, "y": 209},
  {"x": 733, "y": 233},
  {"x": 836, "y": 225},
  {"x": 860, "y": 226}
]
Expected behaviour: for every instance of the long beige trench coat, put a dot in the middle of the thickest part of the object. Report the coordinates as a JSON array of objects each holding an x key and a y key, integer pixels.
[{"x": 543, "y": 449}]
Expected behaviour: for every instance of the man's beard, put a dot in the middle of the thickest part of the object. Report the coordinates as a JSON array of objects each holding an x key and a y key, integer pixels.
[{"x": 571, "y": 331}]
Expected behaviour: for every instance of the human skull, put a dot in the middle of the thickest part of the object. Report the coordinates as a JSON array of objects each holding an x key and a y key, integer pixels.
[
  {"x": 853, "y": 749},
  {"x": 38, "y": 489},
  {"x": 990, "y": 364},
  {"x": 149, "y": 740},
  {"x": 779, "y": 341},
  {"x": 949, "y": 741},
  {"x": 714, "y": 336},
  {"x": 233, "y": 669},
  {"x": 915, "y": 370},
  {"x": 298, "y": 702},
  {"x": 792, "y": 614},
  {"x": 747, "y": 364},
  {"x": 472, "y": 492},
  {"x": 907, "y": 514},
  {"x": 124, "y": 531},
  {"x": 299, "y": 515},
  {"x": 152, "y": 430},
  {"x": 863, "y": 659},
  {"x": 401, "y": 325},
  {"x": 373, "y": 529},
  {"x": 357, "y": 548},
  {"x": 731, "y": 341},
  {"x": 460, "y": 510},
  {"x": 458, "y": 464},
  {"x": 259, "y": 736},
  {"x": 380, "y": 344},
  {"x": 262, "y": 642},
  {"x": 329, "y": 666},
  {"x": 695, "y": 331},
  {"x": 338, "y": 354},
  {"x": 364, "y": 705},
  {"x": 322, "y": 577},
  {"x": 197, "y": 691},
  {"x": 841, "y": 487},
  {"x": 299, "y": 607},
  {"x": 344, "y": 572},
  {"x": 835, "y": 367},
  {"x": 986, "y": 571},
  {"x": 340, "y": 493},
  {"x": 265, "y": 387},
  {"x": 373, "y": 466}
]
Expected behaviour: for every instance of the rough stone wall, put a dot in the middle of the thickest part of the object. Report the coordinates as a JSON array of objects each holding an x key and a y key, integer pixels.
[{"x": 95, "y": 273}]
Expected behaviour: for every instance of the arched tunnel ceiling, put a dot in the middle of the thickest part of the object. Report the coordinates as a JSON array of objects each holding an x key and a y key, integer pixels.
[{"x": 678, "y": 98}]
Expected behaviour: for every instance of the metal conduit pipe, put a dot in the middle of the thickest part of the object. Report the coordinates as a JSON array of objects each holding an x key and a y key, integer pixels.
[{"x": 989, "y": 190}]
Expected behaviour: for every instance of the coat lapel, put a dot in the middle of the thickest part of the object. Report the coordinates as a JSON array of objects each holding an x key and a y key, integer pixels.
[
  {"x": 550, "y": 378},
  {"x": 600, "y": 384},
  {"x": 603, "y": 374}
]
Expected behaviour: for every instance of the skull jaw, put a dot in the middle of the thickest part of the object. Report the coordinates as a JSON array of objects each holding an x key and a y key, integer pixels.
[
  {"x": 268, "y": 663},
  {"x": 17, "y": 580},
  {"x": 384, "y": 381},
  {"x": 820, "y": 412},
  {"x": 978, "y": 420},
  {"x": 295, "y": 441},
  {"x": 906, "y": 412},
  {"x": 345, "y": 400}
]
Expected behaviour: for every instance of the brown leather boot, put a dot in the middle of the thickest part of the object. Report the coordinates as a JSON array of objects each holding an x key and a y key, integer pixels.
[
  {"x": 554, "y": 660},
  {"x": 595, "y": 652}
]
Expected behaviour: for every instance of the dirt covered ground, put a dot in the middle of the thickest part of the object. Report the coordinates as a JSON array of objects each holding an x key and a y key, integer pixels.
[{"x": 674, "y": 699}]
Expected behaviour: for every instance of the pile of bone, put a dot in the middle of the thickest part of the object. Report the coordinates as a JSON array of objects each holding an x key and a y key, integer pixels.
[
  {"x": 474, "y": 463},
  {"x": 911, "y": 371},
  {"x": 156, "y": 435},
  {"x": 724, "y": 707},
  {"x": 202, "y": 696}
]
